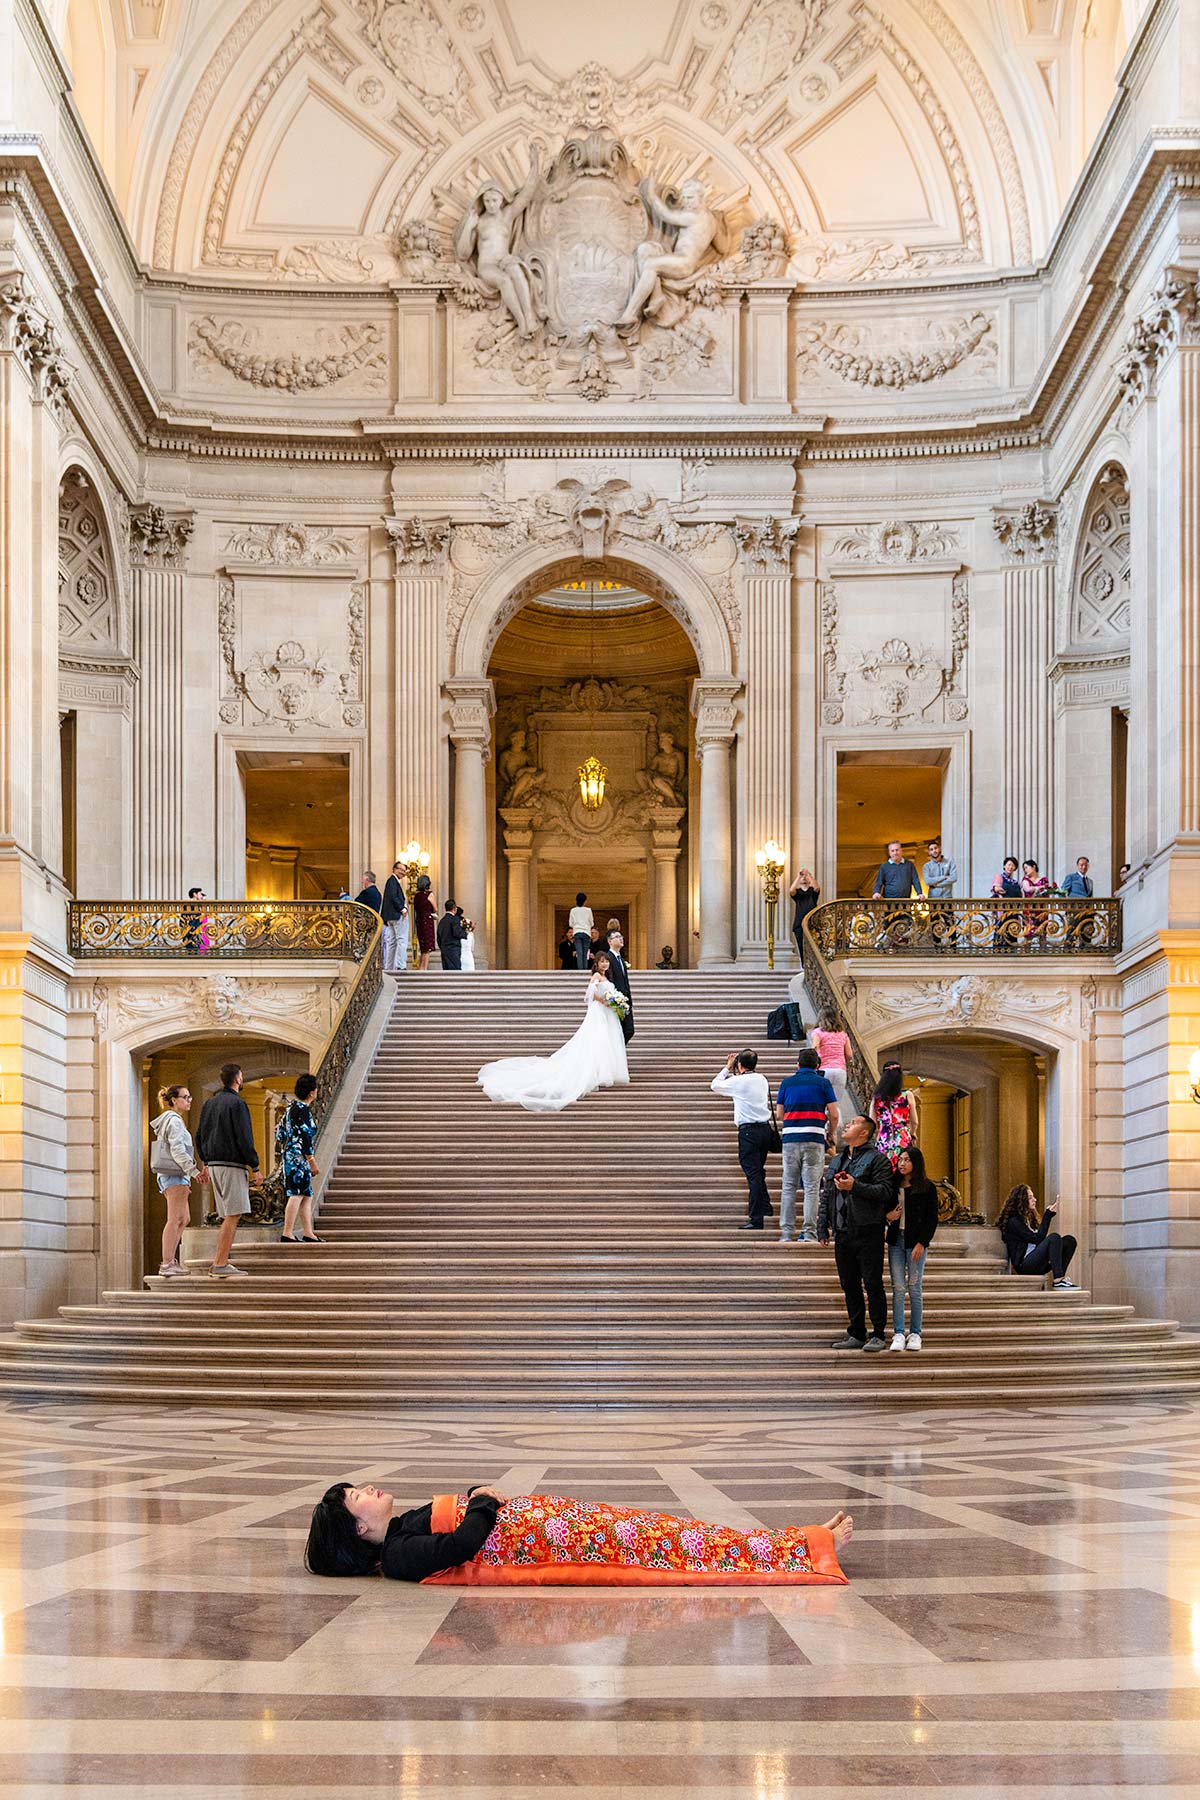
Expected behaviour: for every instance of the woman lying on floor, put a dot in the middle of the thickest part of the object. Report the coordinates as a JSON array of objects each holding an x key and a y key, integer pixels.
[{"x": 483, "y": 1538}]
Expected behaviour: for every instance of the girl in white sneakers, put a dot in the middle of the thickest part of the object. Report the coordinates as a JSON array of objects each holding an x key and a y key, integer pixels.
[{"x": 173, "y": 1165}]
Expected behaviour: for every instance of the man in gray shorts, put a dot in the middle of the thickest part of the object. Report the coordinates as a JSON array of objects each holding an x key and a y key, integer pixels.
[{"x": 228, "y": 1149}]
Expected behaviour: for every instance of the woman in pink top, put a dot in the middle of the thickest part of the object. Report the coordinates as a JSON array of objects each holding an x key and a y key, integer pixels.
[{"x": 832, "y": 1046}]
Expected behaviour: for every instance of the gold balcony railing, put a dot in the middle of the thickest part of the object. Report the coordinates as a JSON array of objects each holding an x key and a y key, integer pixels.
[
  {"x": 215, "y": 930},
  {"x": 1046, "y": 926},
  {"x": 221, "y": 928}
]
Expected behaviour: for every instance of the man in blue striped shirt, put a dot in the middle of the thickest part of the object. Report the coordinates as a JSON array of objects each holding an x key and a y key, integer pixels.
[{"x": 807, "y": 1109}]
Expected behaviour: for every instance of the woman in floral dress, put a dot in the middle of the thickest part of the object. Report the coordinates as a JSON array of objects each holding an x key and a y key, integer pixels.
[
  {"x": 481, "y": 1538},
  {"x": 894, "y": 1110}
]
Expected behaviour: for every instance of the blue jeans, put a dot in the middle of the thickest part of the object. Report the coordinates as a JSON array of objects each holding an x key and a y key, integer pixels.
[
  {"x": 906, "y": 1273},
  {"x": 802, "y": 1162}
]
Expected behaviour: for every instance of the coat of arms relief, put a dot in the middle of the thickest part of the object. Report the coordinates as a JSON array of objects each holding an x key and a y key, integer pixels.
[{"x": 591, "y": 276}]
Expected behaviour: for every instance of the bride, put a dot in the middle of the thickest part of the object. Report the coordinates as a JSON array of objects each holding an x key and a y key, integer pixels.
[{"x": 594, "y": 1057}]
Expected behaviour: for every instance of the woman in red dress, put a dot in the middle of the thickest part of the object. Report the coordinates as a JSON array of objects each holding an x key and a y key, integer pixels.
[
  {"x": 425, "y": 914},
  {"x": 480, "y": 1538}
]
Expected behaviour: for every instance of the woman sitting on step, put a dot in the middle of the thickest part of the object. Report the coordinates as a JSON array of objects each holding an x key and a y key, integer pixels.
[
  {"x": 1032, "y": 1248},
  {"x": 482, "y": 1538}
]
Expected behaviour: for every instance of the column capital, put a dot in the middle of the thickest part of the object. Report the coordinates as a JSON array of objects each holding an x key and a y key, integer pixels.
[
  {"x": 714, "y": 708},
  {"x": 157, "y": 537},
  {"x": 472, "y": 706},
  {"x": 1027, "y": 534},
  {"x": 1170, "y": 314},
  {"x": 28, "y": 333},
  {"x": 420, "y": 546},
  {"x": 765, "y": 545}
]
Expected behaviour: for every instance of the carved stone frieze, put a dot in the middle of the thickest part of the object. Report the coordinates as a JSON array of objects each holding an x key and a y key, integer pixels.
[
  {"x": 899, "y": 683},
  {"x": 292, "y": 687},
  {"x": 213, "y": 999},
  {"x": 157, "y": 537},
  {"x": 898, "y": 541},
  {"x": 766, "y": 545},
  {"x": 290, "y": 546},
  {"x": 28, "y": 333},
  {"x": 1028, "y": 535},
  {"x": 969, "y": 1000},
  {"x": 419, "y": 52},
  {"x": 420, "y": 546},
  {"x": 1172, "y": 308},
  {"x": 309, "y": 358},
  {"x": 907, "y": 354}
]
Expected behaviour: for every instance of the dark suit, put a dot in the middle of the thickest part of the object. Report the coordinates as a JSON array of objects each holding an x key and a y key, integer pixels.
[
  {"x": 451, "y": 935},
  {"x": 371, "y": 897},
  {"x": 618, "y": 974}
]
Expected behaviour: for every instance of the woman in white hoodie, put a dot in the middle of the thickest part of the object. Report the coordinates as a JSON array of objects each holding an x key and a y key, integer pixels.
[{"x": 173, "y": 1165}]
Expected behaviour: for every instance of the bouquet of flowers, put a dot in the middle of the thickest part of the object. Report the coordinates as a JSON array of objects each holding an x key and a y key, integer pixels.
[{"x": 614, "y": 998}]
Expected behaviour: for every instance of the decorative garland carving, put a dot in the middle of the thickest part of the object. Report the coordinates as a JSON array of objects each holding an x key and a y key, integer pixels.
[
  {"x": 158, "y": 538},
  {"x": 766, "y": 544},
  {"x": 1172, "y": 307},
  {"x": 340, "y": 352},
  {"x": 290, "y": 546},
  {"x": 1029, "y": 535},
  {"x": 898, "y": 683},
  {"x": 28, "y": 332},
  {"x": 898, "y": 541},
  {"x": 846, "y": 350},
  {"x": 291, "y": 687}
]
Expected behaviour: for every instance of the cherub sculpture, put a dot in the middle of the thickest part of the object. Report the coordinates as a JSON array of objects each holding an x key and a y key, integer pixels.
[
  {"x": 488, "y": 233},
  {"x": 694, "y": 226}
]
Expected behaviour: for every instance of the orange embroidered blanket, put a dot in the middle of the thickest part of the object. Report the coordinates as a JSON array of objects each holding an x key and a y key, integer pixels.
[{"x": 546, "y": 1539}]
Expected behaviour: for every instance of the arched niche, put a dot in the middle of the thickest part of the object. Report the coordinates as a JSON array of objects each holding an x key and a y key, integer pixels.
[
  {"x": 504, "y": 590},
  {"x": 1098, "y": 616}
]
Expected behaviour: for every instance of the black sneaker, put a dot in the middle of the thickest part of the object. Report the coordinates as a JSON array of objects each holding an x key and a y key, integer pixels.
[
  {"x": 874, "y": 1343},
  {"x": 848, "y": 1343},
  {"x": 751, "y": 1225}
]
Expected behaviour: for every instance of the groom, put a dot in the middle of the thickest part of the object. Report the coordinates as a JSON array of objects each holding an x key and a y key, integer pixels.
[{"x": 618, "y": 974}]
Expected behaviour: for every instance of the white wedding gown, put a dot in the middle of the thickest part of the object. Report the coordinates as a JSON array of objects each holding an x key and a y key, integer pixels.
[{"x": 594, "y": 1057}]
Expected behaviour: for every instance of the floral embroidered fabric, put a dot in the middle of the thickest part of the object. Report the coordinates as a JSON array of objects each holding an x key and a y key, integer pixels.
[{"x": 539, "y": 1537}]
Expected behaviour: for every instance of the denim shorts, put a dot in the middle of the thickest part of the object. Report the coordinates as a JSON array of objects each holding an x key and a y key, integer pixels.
[{"x": 171, "y": 1181}]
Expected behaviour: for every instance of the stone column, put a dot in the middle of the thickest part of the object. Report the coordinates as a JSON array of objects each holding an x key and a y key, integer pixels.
[
  {"x": 472, "y": 704},
  {"x": 714, "y": 704},
  {"x": 518, "y": 853},
  {"x": 420, "y": 547},
  {"x": 665, "y": 834},
  {"x": 1028, "y": 539},
  {"x": 37, "y": 1240},
  {"x": 766, "y": 558},
  {"x": 157, "y": 540}
]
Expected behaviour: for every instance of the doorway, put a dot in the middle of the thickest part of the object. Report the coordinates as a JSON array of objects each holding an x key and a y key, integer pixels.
[
  {"x": 881, "y": 795},
  {"x": 602, "y": 912},
  {"x": 297, "y": 825}
]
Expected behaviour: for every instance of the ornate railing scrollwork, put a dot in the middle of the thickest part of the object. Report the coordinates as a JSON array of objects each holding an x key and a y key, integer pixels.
[
  {"x": 1045, "y": 926},
  {"x": 221, "y": 928},
  {"x": 826, "y": 996},
  {"x": 339, "y": 929}
]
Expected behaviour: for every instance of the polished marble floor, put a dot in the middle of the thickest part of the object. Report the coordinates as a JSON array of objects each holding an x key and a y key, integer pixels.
[{"x": 1024, "y": 1614}]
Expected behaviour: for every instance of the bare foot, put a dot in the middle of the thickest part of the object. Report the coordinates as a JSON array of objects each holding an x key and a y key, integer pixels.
[
  {"x": 843, "y": 1531},
  {"x": 832, "y": 1524}
]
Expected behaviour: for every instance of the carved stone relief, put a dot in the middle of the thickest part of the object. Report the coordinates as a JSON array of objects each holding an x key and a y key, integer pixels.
[
  {"x": 903, "y": 354},
  {"x": 89, "y": 615},
  {"x": 1100, "y": 591},
  {"x": 417, "y": 50},
  {"x": 291, "y": 686},
  {"x": 27, "y": 330},
  {"x": 773, "y": 37},
  {"x": 900, "y": 682},
  {"x": 969, "y": 1000},
  {"x": 898, "y": 541},
  {"x": 157, "y": 538},
  {"x": 1171, "y": 311},
  {"x": 350, "y": 357},
  {"x": 1029, "y": 535},
  {"x": 213, "y": 999},
  {"x": 290, "y": 546}
]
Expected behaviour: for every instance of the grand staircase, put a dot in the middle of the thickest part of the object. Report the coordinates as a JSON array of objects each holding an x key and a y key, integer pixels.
[{"x": 481, "y": 1256}]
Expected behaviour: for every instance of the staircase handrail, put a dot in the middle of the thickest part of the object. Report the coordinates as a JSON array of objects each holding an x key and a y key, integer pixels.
[
  {"x": 862, "y": 1072},
  {"x": 1037, "y": 925},
  {"x": 202, "y": 929}
]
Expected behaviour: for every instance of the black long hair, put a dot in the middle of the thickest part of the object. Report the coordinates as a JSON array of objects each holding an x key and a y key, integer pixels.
[
  {"x": 1019, "y": 1205},
  {"x": 334, "y": 1546},
  {"x": 920, "y": 1175},
  {"x": 890, "y": 1085}
]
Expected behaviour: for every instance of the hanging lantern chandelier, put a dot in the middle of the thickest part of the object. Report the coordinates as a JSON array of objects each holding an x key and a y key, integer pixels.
[{"x": 592, "y": 772}]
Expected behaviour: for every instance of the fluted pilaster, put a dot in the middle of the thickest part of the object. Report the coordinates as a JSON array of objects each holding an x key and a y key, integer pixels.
[
  {"x": 765, "y": 547},
  {"x": 714, "y": 704},
  {"x": 420, "y": 547},
  {"x": 1028, "y": 541},
  {"x": 157, "y": 543}
]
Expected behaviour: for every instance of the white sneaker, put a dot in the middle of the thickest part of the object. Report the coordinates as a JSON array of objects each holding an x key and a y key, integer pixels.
[
  {"x": 898, "y": 1341},
  {"x": 168, "y": 1270},
  {"x": 914, "y": 1341}
]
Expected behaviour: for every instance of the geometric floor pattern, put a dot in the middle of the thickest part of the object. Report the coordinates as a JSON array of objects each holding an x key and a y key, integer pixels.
[{"x": 1023, "y": 1616}]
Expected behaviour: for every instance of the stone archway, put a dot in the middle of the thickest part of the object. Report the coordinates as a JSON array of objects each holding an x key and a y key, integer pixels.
[{"x": 708, "y": 609}]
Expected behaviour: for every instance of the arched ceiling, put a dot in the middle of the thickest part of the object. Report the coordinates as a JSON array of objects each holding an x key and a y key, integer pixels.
[{"x": 289, "y": 141}]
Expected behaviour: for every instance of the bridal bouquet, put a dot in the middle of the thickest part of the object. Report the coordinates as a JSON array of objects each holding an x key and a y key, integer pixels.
[{"x": 614, "y": 998}]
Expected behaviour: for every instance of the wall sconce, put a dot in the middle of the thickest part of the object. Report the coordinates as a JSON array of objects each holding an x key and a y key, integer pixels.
[{"x": 771, "y": 864}]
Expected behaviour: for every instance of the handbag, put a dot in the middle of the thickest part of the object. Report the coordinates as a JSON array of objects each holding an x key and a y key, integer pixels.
[{"x": 776, "y": 1143}]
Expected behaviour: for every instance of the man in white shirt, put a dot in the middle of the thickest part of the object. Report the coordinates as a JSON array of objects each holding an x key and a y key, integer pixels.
[
  {"x": 752, "y": 1115},
  {"x": 579, "y": 924}
]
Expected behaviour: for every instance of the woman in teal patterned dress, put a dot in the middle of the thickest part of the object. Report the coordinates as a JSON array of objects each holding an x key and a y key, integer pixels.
[{"x": 295, "y": 1139}]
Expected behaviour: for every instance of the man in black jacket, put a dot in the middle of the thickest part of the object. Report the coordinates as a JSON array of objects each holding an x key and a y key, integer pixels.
[
  {"x": 370, "y": 894},
  {"x": 394, "y": 914},
  {"x": 451, "y": 934},
  {"x": 225, "y": 1141},
  {"x": 857, "y": 1194}
]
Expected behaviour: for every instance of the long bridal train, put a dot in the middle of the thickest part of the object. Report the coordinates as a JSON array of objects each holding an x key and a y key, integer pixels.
[{"x": 593, "y": 1058}]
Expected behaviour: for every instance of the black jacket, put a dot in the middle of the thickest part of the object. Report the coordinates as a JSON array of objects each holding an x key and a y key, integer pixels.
[
  {"x": 412, "y": 1550},
  {"x": 224, "y": 1135},
  {"x": 371, "y": 897},
  {"x": 394, "y": 904},
  {"x": 451, "y": 935},
  {"x": 1018, "y": 1237},
  {"x": 618, "y": 974},
  {"x": 920, "y": 1217},
  {"x": 870, "y": 1199}
]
